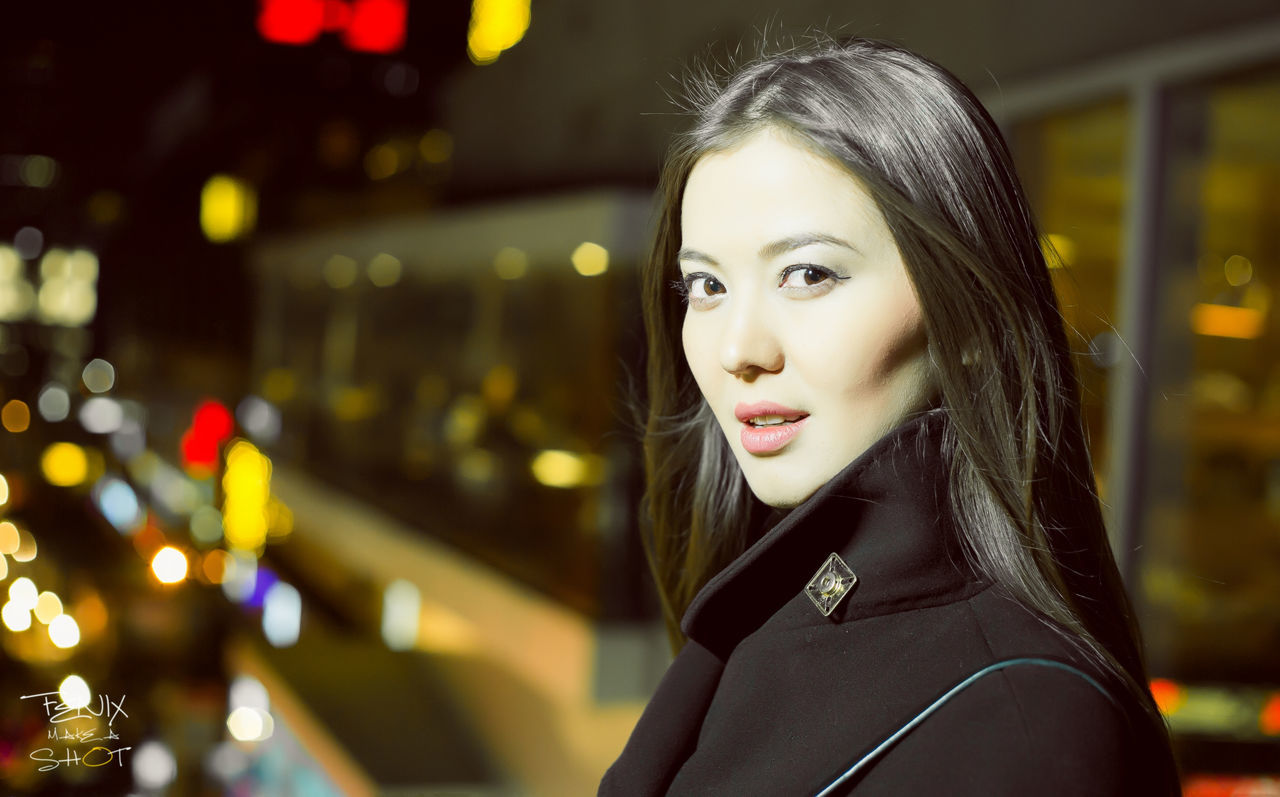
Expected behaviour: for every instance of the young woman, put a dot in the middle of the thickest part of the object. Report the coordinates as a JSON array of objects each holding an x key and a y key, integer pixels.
[{"x": 873, "y": 517}]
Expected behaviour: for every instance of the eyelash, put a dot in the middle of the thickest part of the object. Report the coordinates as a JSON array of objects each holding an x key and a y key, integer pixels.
[{"x": 684, "y": 286}]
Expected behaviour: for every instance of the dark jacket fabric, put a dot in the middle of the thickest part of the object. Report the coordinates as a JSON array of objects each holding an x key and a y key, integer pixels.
[{"x": 770, "y": 697}]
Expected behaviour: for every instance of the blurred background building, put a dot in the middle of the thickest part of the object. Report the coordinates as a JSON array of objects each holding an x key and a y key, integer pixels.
[{"x": 321, "y": 353}]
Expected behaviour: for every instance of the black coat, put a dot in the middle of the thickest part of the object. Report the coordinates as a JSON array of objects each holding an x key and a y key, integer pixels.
[{"x": 770, "y": 697}]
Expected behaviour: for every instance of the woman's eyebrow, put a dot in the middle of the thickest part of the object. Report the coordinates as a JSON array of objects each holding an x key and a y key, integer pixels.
[
  {"x": 784, "y": 245},
  {"x": 773, "y": 248}
]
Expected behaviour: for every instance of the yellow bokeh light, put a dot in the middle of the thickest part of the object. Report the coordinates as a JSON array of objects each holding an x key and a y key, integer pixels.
[
  {"x": 64, "y": 464},
  {"x": 64, "y": 632},
  {"x": 15, "y": 416},
  {"x": 16, "y": 617},
  {"x": 499, "y": 386},
  {"x": 1225, "y": 321},
  {"x": 436, "y": 146},
  {"x": 496, "y": 25},
  {"x": 279, "y": 385},
  {"x": 74, "y": 692},
  {"x": 511, "y": 263},
  {"x": 340, "y": 271},
  {"x": 4, "y": 567},
  {"x": 26, "y": 547},
  {"x": 246, "y": 486},
  {"x": 228, "y": 208},
  {"x": 169, "y": 565},
  {"x": 590, "y": 259},
  {"x": 555, "y": 468},
  {"x": 4, "y": 490},
  {"x": 249, "y": 724},
  {"x": 384, "y": 270},
  {"x": 9, "y": 537},
  {"x": 382, "y": 161},
  {"x": 48, "y": 606},
  {"x": 215, "y": 565},
  {"x": 1238, "y": 270}
]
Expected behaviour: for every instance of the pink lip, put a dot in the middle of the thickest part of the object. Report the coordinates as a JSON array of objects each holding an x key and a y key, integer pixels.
[{"x": 767, "y": 439}]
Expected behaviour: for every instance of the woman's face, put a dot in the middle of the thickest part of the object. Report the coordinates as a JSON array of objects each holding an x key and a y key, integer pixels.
[{"x": 803, "y": 331}]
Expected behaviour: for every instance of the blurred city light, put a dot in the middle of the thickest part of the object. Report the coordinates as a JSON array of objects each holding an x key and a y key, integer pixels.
[
  {"x": 1269, "y": 717},
  {"x": 101, "y": 415},
  {"x": 340, "y": 271},
  {"x": 23, "y": 593},
  {"x": 1238, "y": 270},
  {"x": 211, "y": 426},
  {"x": 1225, "y": 321},
  {"x": 68, "y": 294},
  {"x": 26, "y": 547},
  {"x": 1169, "y": 696},
  {"x": 48, "y": 606},
  {"x": 260, "y": 418},
  {"x": 171, "y": 489},
  {"x": 240, "y": 576},
  {"x": 590, "y": 259},
  {"x": 154, "y": 766},
  {"x": 245, "y": 691},
  {"x": 129, "y": 440},
  {"x": 64, "y": 464},
  {"x": 99, "y": 375},
  {"x": 282, "y": 615},
  {"x": 15, "y": 616},
  {"x": 206, "y": 524},
  {"x": 64, "y": 632},
  {"x": 511, "y": 263},
  {"x": 384, "y": 270},
  {"x": 4, "y": 490},
  {"x": 169, "y": 565},
  {"x": 246, "y": 487},
  {"x": 565, "y": 469},
  {"x": 215, "y": 565},
  {"x": 4, "y": 567},
  {"x": 38, "y": 171},
  {"x": 54, "y": 402},
  {"x": 376, "y": 26},
  {"x": 401, "y": 612},
  {"x": 119, "y": 504},
  {"x": 9, "y": 537},
  {"x": 15, "y": 416},
  {"x": 28, "y": 243},
  {"x": 250, "y": 724},
  {"x": 17, "y": 296},
  {"x": 496, "y": 25},
  {"x": 436, "y": 146},
  {"x": 74, "y": 692},
  {"x": 279, "y": 385},
  {"x": 228, "y": 208}
]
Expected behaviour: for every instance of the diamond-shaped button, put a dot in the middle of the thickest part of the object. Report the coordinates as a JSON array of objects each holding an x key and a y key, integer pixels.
[{"x": 830, "y": 584}]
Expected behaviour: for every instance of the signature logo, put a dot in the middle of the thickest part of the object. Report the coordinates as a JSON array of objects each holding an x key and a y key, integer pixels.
[{"x": 76, "y": 726}]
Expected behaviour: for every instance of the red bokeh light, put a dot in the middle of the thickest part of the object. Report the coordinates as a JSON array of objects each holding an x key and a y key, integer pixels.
[
  {"x": 291, "y": 21},
  {"x": 373, "y": 26},
  {"x": 376, "y": 26}
]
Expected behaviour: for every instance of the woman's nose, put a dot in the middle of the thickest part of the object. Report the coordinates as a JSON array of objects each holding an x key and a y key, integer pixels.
[{"x": 749, "y": 345}]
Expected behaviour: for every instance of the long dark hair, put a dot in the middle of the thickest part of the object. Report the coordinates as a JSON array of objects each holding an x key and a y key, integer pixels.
[{"x": 1022, "y": 484}]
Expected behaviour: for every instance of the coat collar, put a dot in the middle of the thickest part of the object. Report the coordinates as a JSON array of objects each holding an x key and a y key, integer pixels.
[{"x": 886, "y": 514}]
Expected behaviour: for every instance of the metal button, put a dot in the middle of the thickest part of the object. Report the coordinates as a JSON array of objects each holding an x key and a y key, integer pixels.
[{"x": 830, "y": 584}]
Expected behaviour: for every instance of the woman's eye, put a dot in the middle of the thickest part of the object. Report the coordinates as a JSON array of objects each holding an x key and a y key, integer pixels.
[
  {"x": 805, "y": 276},
  {"x": 702, "y": 286}
]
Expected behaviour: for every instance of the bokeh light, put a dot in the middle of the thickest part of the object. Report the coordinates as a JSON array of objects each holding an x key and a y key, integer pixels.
[
  {"x": 23, "y": 593},
  {"x": 26, "y": 547},
  {"x": 384, "y": 270},
  {"x": 496, "y": 25},
  {"x": 436, "y": 146},
  {"x": 54, "y": 403},
  {"x": 154, "y": 766},
  {"x": 9, "y": 537},
  {"x": 15, "y": 416},
  {"x": 119, "y": 504},
  {"x": 64, "y": 631},
  {"x": 260, "y": 418},
  {"x": 4, "y": 490},
  {"x": 511, "y": 263},
  {"x": 64, "y": 464},
  {"x": 282, "y": 615},
  {"x": 590, "y": 259},
  {"x": 228, "y": 208},
  {"x": 169, "y": 565},
  {"x": 99, "y": 375},
  {"x": 340, "y": 271},
  {"x": 101, "y": 415},
  {"x": 566, "y": 469},
  {"x": 74, "y": 692},
  {"x": 15, "y": 616},
  {"x": 401, "y": 607},
  {"x": 28, "y": 243},
  {"x": 48, "y": 606}
]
